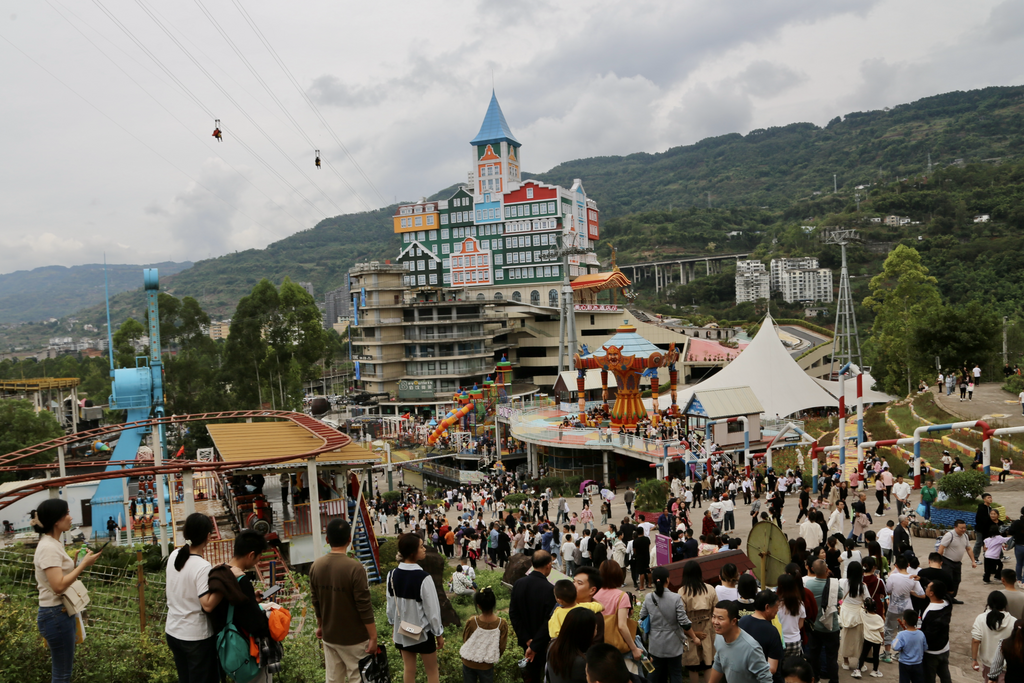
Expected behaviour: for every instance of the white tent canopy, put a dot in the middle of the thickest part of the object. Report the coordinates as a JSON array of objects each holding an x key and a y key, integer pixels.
[
  {"x": 870, "y": 395},
  {"x": 773, "y": 375}
]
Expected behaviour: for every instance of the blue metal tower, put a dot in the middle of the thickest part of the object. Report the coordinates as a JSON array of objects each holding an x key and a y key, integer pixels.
[{"x": 140, "y": 391}]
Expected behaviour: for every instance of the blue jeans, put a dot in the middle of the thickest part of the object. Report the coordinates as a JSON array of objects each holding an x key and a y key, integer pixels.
[
  {"x": 1018, "y": 552},
  {"x": 927, "y": 510},
  {"x": 59, "y": 631}
]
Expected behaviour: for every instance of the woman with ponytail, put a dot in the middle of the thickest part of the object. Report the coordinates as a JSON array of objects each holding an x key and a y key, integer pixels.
[
  {"x": 55, "y": 572},
  {"x": 668, "y": 618},
  {"x": 991, "y": 626},
  {"x": 189, "y": 634}
]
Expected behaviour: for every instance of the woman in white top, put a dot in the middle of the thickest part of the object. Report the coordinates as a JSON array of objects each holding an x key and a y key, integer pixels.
[
  {"x": 991, "y": 626},
  {"x": 853, "y": 590},
  {"x": 729, "y": 575},
  {"x": 412, "y": 599},
  {"x": 188, "y": 630},
  {"x": 791, "y": 613},
  {"x": 55, "y": 572},
  {"x": 848, "y": 557}
]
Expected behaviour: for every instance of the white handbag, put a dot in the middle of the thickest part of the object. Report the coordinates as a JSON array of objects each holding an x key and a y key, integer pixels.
[
  {"x": 407, "y": 629},
  {"x": 482, "y": 645}
]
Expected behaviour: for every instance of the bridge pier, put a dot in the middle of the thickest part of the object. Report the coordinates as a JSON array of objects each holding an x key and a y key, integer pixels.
[{"x": 657, "y": 281}]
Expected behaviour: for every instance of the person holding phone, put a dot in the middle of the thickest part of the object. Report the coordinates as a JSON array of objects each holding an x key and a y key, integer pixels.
[
  {"x": 55, "y": 571},
  {"x": 188, "y": 630}
]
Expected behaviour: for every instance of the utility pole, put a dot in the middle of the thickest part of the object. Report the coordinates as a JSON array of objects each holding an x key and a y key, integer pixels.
[
  {"x": 709, "y": 200},
  {"x": 1005, "y": 359},
  {"x": 835, "y": 184}
]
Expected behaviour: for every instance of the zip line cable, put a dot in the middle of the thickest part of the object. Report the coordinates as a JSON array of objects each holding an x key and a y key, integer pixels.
[
  {"x": 274, "y": 97},
  {"x": 128, "y": 132},
  {"x": 231, "y": 99},
  {"x": 199, "y": 103},
  {"x": 312, "y": 105},
  {"x": 180, "y": 122}
]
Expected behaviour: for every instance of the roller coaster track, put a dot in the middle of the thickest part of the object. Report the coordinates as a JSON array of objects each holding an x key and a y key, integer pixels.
[{"x": 331, "y": 440}]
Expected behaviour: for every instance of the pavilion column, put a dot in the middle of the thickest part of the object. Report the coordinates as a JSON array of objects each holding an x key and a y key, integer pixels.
[
  {"x": 604, "y": 463},
  {"x": 314, "y": 508},
  {"x": 74, "y": 410},
  {"x": 190, "y": 497}
]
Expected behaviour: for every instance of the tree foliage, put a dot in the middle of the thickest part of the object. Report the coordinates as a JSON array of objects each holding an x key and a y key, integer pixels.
[
  {"x": 901, "y": 295},
  {"x": 22, "y": 426}
]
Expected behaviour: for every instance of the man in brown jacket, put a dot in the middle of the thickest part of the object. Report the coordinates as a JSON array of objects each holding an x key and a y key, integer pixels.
[{"x": 341, "y": 600}]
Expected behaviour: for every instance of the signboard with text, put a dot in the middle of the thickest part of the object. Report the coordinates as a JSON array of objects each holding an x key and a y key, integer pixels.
[
  {"x": 416, "y": 388},
  {"x": 609, "y": 308},
  {"x": 662, "y": 550}
]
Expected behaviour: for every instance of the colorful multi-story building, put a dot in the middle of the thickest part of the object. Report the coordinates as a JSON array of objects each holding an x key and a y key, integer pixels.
[{"x": 499, "y": 237}]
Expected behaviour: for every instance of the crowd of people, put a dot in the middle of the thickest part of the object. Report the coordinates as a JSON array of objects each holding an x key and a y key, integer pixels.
[{"x": 856, "y": 596}]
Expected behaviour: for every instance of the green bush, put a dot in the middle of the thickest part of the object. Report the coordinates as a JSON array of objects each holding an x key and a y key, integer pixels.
[
  {"x": 963, "y": 486},
  {"x": 557, "y": 485},
  {"x": 1014, "y": 384},
  {"x": 514, "y": 499},
  {"x": 652, "y": 495},
  {"x": 388, "y": 553},
  {"x": 433, "y": 502},
  {"x": 392, "y": 496},
  {"x": 123, "y": 658}
]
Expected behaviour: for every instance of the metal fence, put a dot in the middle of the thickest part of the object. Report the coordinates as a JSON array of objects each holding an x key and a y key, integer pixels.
[{"x": 121, "y": 600}]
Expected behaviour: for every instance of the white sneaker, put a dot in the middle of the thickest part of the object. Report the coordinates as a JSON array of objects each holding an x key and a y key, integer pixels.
[
  {"x": 846, "y": 667},
  {"x": 855, "y": 673},
  {"x": 876, "y": 674}
]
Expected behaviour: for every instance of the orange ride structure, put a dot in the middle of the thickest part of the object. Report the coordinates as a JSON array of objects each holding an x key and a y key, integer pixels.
[{"x": 628, "y": 356}]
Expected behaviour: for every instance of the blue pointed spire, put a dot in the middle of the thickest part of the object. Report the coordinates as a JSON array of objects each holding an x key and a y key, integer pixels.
[{"x": 494, "y": 128}]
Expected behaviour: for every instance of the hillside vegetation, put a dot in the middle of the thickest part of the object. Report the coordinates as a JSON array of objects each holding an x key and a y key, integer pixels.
[{"x": 766, "y": 185}]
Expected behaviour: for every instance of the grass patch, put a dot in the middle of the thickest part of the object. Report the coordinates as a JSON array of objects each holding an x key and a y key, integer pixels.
[
  {"x": 927, "y": 408},
  {"x": 906, "y": 421},
  {"x": 876, "y": 426}
]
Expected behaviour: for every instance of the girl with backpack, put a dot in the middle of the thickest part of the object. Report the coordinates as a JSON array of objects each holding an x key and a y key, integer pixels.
[
  {"x": 484, "y": 639},
  {"x": 188, "y": 630}
]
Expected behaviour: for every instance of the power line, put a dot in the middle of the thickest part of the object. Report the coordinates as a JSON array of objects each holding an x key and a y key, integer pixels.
[
  {"x": 231, "y": 99},
  {"x": 199, "y": 103},
  {"x": 312, "y": 105},
  {"x": 274, "y": 97},
  {"x": 161, "y": 105},
  {"x": 128, "y": 132}
]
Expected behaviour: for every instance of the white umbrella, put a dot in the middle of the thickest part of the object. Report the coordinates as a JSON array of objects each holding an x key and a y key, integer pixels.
[{"x": 607, "y": 494}]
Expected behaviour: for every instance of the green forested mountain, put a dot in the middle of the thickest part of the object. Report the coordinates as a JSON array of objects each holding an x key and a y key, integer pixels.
[
  {"x": 776, "y": 166},
  {"x": 764, "y": 185},
  {"x": 56, "y": 291}
]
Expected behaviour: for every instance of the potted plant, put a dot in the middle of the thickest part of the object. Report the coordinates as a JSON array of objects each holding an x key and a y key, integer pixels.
[{"x": 651, "y": 499}]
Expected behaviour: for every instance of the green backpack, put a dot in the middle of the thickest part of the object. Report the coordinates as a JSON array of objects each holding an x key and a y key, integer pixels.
[{"x": 233, "y": 651}]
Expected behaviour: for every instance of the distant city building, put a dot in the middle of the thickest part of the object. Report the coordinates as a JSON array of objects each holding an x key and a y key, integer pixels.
[
  {"x": 337, "y": 304},
  {"x": 896, "y": 221},
  {"x": 780, "y": 265},
  {"x": 753, "y": 282},
  {"x": 219, "y": 329},
  {"x": 982, "y": 218},
  {"x": 807, "y": 285},
  {"x": 308, "y": 286}
]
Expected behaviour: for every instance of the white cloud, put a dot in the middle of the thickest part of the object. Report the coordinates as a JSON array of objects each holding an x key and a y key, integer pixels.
[{"x": 406, "y": 88}]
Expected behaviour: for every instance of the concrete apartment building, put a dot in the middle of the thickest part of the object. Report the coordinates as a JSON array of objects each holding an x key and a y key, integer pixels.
[
  {"x": 752, "y": 281},
  {"x": 801, "y": 280}
]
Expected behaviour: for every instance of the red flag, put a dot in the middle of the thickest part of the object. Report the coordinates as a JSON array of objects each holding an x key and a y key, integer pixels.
[{"x": 181, "y": 452}]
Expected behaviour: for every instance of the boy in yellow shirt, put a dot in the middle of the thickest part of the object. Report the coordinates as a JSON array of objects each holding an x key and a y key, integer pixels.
[{"x": 565, "y": 595}]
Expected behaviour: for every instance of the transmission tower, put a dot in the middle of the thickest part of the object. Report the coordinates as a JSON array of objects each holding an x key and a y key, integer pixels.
[
  {"x": 567, "y": 324},
  {"x": 845, "y": 343}
]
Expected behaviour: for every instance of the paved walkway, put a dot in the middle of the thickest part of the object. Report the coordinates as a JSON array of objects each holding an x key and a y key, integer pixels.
[{"x": 990, "y": 403}]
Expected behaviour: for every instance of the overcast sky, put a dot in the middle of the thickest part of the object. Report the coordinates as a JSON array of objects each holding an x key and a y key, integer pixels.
[{"x": 106, "y": 150}]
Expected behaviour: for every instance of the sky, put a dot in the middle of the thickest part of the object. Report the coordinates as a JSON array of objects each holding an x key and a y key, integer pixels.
[{"x": 109, "y": 105}]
